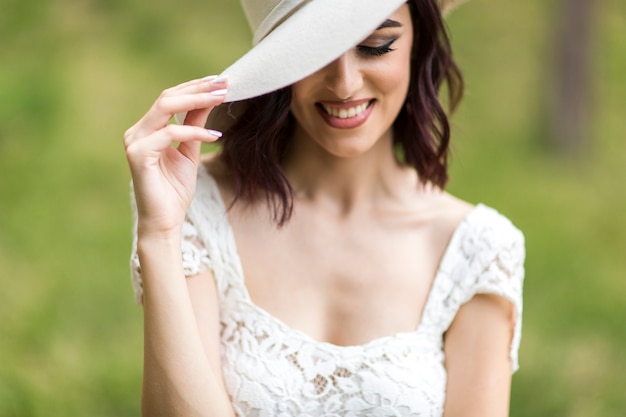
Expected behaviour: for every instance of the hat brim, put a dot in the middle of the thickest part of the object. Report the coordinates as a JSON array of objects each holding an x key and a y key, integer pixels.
[{"x": 311, "y": 38}]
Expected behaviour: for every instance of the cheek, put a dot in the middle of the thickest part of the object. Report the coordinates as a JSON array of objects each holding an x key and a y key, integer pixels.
[
  {"x": 304, "y": 89},
  {"x": 393, "y": 74},
  {"x": 395, "y": 78},
  {"x": 402, "y": 72},
  {"x": 300, "y": 92}
]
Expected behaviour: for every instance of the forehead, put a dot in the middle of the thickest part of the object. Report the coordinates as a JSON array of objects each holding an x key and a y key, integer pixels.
[{"x": 402, "y": 15}]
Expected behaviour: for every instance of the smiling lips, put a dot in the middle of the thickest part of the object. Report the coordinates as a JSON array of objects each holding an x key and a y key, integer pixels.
[{"x": 346, "y": 115}]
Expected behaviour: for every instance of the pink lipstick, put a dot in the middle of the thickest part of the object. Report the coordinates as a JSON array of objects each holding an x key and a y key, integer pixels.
[{"x": 346, "y": 115}]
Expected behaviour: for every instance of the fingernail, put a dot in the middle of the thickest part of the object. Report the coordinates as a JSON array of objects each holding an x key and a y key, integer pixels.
[
  {"x": 220, "y": 80},
  {"x": 209, "y": 78},
  {"x": 220, "y": 93},
  {"x": 215, "y": 133}
]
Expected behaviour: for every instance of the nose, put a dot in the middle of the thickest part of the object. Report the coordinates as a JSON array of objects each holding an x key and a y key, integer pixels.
[{"x": 343, "y": 76}]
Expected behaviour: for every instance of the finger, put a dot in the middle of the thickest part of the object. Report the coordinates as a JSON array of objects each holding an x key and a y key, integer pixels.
[
  {"x": 206, "y": 84},
  {"x": 168, "y": 105},
  {"x": 191, "y": 149},
  {"x": 162, "y": 139},
  {"x": 209, "y": 84},
  {"x": 212, "y": 84},
  {"x": 190, "y": 83}
]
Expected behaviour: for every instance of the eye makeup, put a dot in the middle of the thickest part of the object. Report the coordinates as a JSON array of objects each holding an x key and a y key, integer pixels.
[{"x": 377, "y": 50}]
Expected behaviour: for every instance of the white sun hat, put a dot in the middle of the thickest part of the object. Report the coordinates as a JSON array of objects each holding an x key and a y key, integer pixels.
[{"x": 295, "y": 38}]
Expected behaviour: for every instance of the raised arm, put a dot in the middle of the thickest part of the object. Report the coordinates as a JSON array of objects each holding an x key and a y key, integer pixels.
[{"x": 181, "y": 362}]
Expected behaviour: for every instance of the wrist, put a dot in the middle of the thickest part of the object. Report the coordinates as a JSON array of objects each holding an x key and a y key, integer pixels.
[
  {"x": 154, "y": 242},
  {"x": 149, "y": 231}
]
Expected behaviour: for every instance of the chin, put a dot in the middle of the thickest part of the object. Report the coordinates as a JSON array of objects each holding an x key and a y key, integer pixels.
[{"x": 350, "y": 147}]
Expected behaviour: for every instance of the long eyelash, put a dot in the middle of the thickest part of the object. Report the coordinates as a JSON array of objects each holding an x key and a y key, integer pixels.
[{"x": 378, "y": 50}]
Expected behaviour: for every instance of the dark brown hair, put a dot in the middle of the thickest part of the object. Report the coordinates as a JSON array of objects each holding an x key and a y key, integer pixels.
[{"x": 256, "y": 145}]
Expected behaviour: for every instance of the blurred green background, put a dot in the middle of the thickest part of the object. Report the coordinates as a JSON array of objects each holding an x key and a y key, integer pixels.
[{"x": 74, "y": 74}]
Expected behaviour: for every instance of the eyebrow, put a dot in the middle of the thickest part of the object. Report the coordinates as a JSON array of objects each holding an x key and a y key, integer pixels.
[{"x": 390, "y": 24}]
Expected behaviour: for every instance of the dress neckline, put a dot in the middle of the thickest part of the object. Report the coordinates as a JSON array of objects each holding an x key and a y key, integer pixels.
[{"x": 440, "y": 275}]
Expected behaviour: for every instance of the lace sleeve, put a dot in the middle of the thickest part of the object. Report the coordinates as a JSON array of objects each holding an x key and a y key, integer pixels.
[
  {"x": 504, "y": 276},
  {"x": 194, "y": 254},
  {"x": 497, "y": 267},
  {"x": 490, "y": 261}
]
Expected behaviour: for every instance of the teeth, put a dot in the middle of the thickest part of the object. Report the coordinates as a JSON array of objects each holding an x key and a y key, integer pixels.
[{"x": 346, "y": 113}]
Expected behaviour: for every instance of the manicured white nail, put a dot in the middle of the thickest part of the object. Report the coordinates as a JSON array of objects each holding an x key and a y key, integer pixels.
[
  {"x": 219, "y": 93},
  {"x": 209, "y": 78},
  {"x": 220, "y": 80},
  {"x": 215, "y": 133}
]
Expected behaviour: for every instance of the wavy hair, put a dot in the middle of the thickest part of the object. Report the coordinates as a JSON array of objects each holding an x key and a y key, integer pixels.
[{"x": 256, "y": 145}]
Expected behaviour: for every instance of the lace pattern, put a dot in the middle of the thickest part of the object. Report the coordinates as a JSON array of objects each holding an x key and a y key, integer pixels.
[
  {"x": 195, "y": 255},
  {"x": 273, "y": 370},
  {"x": 485, "y": 256},
  {"x": 280, "y": 371}
]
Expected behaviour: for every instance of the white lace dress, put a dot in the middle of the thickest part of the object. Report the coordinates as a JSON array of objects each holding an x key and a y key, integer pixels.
[{"x": 273, "y": 370}]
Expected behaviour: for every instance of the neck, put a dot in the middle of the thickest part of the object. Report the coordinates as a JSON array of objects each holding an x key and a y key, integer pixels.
[{"x": 344, "y": 183}]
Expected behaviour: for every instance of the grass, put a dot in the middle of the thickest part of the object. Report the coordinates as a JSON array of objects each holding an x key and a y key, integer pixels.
[{"x": 75, "y": 74}]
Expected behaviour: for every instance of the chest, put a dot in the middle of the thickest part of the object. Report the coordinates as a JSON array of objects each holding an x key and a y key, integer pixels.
[{"x": 346, "y": 284}]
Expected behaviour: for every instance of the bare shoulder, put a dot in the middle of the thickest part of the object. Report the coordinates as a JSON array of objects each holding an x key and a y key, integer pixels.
[{"x": 451, "y": 211}]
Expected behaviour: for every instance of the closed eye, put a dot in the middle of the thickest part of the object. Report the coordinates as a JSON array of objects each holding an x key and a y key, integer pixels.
[{"x": 376, "y": 50}]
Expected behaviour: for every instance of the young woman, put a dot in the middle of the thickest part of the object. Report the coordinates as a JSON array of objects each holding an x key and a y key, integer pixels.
[{"x": 324, "y": 270}]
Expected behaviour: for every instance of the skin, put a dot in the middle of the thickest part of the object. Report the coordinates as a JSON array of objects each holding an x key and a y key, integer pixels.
[
  {"x": 182, "y": 375},
  {"x": 388, "y": 234}
]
